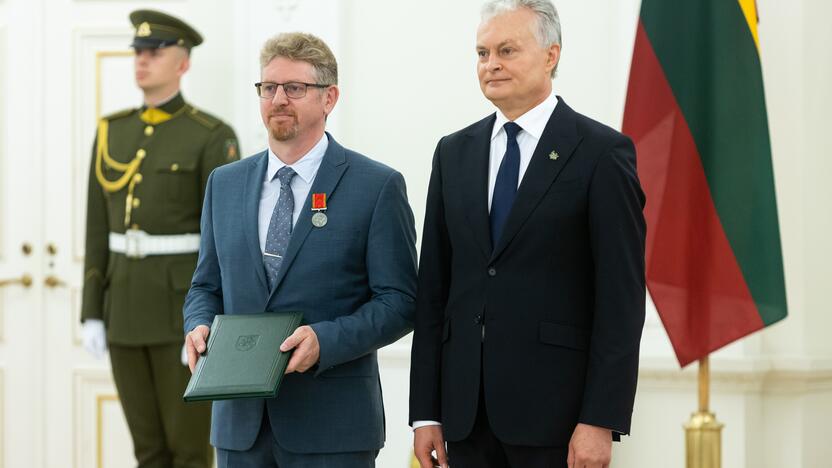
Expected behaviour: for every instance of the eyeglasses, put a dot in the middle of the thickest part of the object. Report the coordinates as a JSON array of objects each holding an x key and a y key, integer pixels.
[{"x": 293, "y": 89}]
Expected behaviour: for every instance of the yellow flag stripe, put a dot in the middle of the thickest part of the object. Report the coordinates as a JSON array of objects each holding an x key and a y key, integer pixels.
[{"x": 749, "y": 9}]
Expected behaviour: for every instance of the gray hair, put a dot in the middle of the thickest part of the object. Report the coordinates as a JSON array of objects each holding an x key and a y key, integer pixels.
[
  {"x": 303, "y": 47},
  {"x": 548, "y": 21}
]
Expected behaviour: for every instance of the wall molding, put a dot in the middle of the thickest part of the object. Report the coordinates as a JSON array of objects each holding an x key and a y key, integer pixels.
[
  {"x": 93, "y": 391},
  {"x": 91, "y": 48},
  {"x": 4, "y": 139},
  {"x": 762, "y": 375}
]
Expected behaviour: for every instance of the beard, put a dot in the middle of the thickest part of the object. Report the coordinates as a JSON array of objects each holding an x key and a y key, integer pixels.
[{"x": 283, "y": 131}]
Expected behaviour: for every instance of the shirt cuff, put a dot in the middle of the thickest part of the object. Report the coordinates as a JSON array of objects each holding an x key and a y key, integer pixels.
[{"x": 418, "y": 424}]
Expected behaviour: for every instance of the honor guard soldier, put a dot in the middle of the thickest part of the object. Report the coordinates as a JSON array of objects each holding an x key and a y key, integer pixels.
[{"x": 148, "y": 174}]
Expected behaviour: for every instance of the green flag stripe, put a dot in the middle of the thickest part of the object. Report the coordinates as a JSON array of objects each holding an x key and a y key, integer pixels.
[{"x": 710, "y": 59}]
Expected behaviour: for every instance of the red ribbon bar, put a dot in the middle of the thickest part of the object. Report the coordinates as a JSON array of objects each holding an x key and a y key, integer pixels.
[{"x": 318, "y": 201}]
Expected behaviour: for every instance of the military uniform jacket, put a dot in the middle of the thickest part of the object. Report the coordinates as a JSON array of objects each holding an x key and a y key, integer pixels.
[{"x": 173, "y": 148}]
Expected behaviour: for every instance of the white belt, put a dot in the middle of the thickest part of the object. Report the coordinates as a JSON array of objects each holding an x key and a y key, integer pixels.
[{"x": 139, "y": 244}]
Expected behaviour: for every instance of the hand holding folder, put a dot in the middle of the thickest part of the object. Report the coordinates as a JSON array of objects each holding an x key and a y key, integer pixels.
[{"x": 243, "y": 357}]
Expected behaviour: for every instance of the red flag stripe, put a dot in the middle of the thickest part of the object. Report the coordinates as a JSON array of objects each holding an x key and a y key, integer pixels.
[{"x": 703, "y": 299}]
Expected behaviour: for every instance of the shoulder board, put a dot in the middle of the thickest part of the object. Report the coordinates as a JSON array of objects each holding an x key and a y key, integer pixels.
[
  {"x": 203, "y": 118},
  {"x": 119, "y": 114}
]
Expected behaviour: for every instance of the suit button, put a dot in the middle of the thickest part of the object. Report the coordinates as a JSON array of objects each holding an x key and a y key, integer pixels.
[
  {"x": 478, "y": 319},
  {"x": 492, "y": 271}
]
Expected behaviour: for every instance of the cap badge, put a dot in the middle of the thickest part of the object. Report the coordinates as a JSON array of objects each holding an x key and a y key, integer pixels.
[{"x": 143, "y": 30}]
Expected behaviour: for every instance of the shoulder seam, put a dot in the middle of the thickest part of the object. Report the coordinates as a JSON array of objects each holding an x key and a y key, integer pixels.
[{"x": 204, "y": 119}]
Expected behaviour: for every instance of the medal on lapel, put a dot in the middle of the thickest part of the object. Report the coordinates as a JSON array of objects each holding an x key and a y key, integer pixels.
[{"x": 319, "y": 207}]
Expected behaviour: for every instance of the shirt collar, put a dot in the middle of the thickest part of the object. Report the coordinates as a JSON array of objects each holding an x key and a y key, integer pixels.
[
  {"x": 533, "y": 121},
  {"x": 306, "y": 167}
]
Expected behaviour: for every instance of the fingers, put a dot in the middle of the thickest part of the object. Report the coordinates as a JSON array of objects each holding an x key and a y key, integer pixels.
[
  {"x": 306, "y": 348},
  {"x": 195, "y": 344},
  {"x": 192, "y": 354},
  {"x": 302, "y": 358},
  {"x": 198, "y": 335},
  {"x": 293, "y": 340},
  {"x": 570, "y": 458},
  {"x": 441, "y": 455},
  {"x": 426, "y": 440},
  {"x": 425, "y": 458}
]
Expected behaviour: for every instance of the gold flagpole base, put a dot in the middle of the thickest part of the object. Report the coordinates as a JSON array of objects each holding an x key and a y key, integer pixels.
[{"x": 703, "y": 441}]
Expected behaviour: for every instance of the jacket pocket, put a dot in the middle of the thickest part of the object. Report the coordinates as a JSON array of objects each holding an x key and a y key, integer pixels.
[
  {"x": 179, "y": 178},
  {"x": 564, "y": 335}
]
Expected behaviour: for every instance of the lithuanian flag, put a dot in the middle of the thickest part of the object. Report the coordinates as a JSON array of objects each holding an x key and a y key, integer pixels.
[{"x": 696, "y": 111}]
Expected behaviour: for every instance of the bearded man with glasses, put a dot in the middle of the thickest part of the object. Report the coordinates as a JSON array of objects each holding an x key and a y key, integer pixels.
[{"x": 312, "y": 226}]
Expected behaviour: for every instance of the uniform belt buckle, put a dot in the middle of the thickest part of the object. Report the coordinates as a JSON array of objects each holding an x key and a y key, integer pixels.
[{"x": 133, "y": 243}]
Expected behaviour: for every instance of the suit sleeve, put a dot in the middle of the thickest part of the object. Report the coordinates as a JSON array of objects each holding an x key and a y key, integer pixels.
[
  {"x": 617, "y": 231},
  {"x": 97, "y": 247},
  {"x": 391, "y": 273},
  {"x": 204, "y": 299},
  {"x": 432, "y": 296}
]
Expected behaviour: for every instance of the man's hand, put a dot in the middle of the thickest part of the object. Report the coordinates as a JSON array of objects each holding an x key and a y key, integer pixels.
[
  {"x": 427, "y": 439},
  {"x": 307, "y": 349},
  {"x": 590, "y": 447},
  {"x": 195, "y": 344}
]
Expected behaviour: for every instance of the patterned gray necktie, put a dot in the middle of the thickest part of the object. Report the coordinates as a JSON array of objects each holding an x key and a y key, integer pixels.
[{"x": 280, "y": 226}]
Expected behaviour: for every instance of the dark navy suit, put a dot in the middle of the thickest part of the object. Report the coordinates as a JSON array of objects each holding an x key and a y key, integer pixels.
[{"x": 560, "y": 296}]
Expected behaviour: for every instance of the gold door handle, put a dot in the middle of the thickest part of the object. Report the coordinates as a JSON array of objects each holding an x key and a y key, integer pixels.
[
  {"x": 53, "y": 282},
  {"x": 25, "y": 280}
]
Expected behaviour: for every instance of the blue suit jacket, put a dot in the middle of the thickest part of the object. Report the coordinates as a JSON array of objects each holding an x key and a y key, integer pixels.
[{"x": 354, "y": 279}]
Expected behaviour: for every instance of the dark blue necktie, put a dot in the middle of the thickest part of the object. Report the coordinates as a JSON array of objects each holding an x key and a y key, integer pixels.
[
  {"x": 505, "y": 188},
  {"x": 280, "y": 226}
]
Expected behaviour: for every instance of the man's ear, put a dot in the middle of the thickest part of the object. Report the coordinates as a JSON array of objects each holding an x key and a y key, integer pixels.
[
  {"x": 331, "y": 95},
  {"x": 185, "y": 62},
  {"x": 552, "y": 57}
]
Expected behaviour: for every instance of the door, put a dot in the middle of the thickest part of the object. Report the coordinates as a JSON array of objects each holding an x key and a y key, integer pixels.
[{"x": 63, "y": 64}]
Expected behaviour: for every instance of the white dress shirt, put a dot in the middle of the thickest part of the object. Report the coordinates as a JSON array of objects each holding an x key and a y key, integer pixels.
[
  {"x": 533, "y": 122},
  {"x": 306, "y": 168}
]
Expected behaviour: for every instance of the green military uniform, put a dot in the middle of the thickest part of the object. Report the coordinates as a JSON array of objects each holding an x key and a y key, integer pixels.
[{"x": 147, "y": 180}]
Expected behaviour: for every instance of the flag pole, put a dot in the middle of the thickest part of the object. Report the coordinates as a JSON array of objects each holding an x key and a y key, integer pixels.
[{"x": 703, "y": 433}]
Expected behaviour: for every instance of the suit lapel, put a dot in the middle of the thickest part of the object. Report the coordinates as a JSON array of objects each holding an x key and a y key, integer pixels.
[
  {"x": 475, "y": 196},
  {"x": 255, "y": 175},
  {"x": 560, "y": 136},
  {"x": 329, "y": 174}
]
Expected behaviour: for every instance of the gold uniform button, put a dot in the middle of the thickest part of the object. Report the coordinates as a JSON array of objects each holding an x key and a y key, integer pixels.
[
  {"x": 174, "y": 167},
  {"x": 136, "y": 202},
  {"x": 141, "y": 153},
  {"x": 137, "y": 178},
  {"x": 148, "y": 130}
]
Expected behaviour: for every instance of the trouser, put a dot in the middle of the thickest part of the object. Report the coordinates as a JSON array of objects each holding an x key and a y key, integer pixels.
[
  {"x": 267, "y": 453},
  {"x": 482, "y": 449},
  {"x": 166, "y": 431}
]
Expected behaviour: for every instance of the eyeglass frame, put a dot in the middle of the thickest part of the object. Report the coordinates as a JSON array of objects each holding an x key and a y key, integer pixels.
[{"x": 259, "y": 84}]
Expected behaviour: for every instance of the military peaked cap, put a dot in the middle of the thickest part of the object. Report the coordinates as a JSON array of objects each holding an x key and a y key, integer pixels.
[{"x": 155, "y": 30}]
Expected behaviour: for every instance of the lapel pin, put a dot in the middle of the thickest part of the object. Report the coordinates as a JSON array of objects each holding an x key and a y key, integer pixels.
[
  {"x": 319, "y": 219},
  {"x": 554, "y": 155}
]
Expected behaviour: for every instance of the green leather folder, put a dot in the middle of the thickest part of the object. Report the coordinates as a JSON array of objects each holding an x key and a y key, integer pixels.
[{"x": 243, "y": 357}]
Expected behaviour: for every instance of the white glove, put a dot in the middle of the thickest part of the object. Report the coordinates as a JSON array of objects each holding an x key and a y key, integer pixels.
[
  {"x": 184, "y": 356},
  {"x": 94, "y": 338}
]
